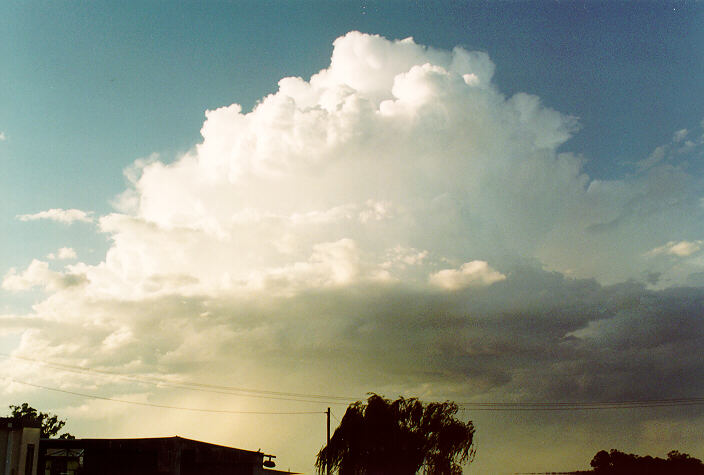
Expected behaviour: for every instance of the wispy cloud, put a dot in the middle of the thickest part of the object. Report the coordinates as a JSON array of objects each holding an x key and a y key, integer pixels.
[
  {"x": 685, "y": 144},
  {"x": 680, "y": 249},
  {"x": 66, "y": 216},
  {"x": 680, "y": 135}
]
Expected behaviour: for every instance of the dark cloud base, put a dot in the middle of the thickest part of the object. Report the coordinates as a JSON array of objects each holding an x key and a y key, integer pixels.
[{"x": 534, "y": 336}]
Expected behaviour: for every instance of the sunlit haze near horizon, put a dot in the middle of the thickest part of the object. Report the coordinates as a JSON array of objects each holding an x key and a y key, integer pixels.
[{"x": 294, "y": 204}]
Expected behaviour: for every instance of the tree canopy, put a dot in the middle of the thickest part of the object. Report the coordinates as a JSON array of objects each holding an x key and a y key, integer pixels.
[
  {"x": 401, "y": 437},
  {"x": 617, "y": 462},
  {"x": 50, "y": 423}
]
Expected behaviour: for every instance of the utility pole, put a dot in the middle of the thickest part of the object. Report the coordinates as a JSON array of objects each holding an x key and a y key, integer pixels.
[{"x": 327, "y": 445}]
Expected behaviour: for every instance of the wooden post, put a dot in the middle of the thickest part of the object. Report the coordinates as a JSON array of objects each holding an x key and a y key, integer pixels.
[{"x": 327, "y": 445}]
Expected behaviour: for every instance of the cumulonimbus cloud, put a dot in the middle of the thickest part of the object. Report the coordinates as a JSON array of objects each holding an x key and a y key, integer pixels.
[
  {"x": 396, "y": 221},
  {"x": 397, "y": 165}
]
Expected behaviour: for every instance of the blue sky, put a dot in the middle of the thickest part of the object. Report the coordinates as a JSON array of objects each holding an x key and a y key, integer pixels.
[{"x": 88, "y": 88}]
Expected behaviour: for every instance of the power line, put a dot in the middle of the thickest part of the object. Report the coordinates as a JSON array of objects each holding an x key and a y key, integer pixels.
[
  {"x": 193, "y": 386},
  {"x": 538, "y": 406},
  {"x": 579, "y": 406},
  {"x": 584, "y": 403},
  {"x": 162, "y": 406},
  {"x": 343, "y": 400}
]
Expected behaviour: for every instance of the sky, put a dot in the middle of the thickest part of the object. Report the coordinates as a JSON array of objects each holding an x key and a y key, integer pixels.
[{"x": 293, "y": 204}]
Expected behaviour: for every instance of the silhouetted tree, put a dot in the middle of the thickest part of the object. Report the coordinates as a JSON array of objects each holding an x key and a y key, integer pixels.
[
  {"x": 400, "y": 437},
  {"x": 50, "y": 423},
  {"x": 616, "y": 462}
]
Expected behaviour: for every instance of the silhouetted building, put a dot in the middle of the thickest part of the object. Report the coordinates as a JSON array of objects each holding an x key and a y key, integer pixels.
[
  {"x": 19, "y": 446},
  {"x": 152, "y": 456}
]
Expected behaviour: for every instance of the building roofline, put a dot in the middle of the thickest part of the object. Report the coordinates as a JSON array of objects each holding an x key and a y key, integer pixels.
[{"x": 78, "y": 441}]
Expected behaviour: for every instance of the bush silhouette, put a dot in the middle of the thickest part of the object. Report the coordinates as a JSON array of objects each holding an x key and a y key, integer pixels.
[{"x": 617, "y": 462}]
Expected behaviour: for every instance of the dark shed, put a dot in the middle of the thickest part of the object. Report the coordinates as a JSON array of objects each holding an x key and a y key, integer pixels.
[{"x": 151, "y": 456}]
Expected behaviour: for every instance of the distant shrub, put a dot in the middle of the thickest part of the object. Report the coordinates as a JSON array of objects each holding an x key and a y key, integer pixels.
[{"x": 617, "y": 462}]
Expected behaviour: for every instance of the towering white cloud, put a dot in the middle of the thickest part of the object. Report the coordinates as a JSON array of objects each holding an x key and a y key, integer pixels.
[{"x": 395, "y": 144}]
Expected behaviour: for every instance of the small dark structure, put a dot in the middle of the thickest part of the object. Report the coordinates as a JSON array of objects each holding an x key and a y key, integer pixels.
[
  {"x": 19, "y": 442},
  {"x": 152, "y": 456}
]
